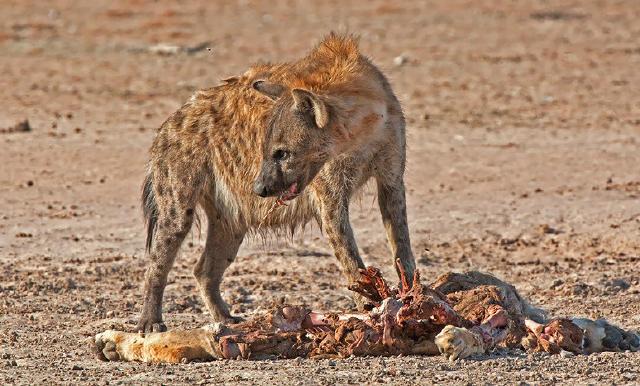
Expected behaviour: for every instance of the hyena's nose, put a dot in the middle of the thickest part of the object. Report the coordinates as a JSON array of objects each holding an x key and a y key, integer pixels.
[{"x": 260, "y": 189}]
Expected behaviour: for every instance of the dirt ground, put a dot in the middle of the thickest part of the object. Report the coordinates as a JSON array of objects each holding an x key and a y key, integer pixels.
[{"x": 523, "y": 131}]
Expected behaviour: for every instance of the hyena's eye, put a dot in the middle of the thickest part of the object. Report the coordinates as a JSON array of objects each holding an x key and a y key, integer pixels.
[{"x": 280, "y": 155}]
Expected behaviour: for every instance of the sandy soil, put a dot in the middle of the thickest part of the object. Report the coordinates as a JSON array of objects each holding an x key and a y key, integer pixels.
[{"x": 523, "y": 131}]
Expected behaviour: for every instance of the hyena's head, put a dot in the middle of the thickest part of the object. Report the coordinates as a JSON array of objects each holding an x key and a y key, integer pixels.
[{"x": 297, "y": 142}]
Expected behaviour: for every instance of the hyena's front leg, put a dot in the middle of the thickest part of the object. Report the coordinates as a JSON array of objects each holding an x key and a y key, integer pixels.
[
  {"x": 392, "y": 202},
  {"x": 334, "y": 215}
]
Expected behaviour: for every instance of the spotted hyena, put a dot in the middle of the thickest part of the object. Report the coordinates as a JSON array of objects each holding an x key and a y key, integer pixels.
[{"x": 311, "y": 131}]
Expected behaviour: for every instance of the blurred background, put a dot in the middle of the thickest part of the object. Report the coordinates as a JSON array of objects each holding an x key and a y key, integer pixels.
[{"x": 523, "y": 122}]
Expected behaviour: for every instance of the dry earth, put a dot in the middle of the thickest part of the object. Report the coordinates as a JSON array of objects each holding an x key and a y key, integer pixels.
[{"x": 523, "y": 131}]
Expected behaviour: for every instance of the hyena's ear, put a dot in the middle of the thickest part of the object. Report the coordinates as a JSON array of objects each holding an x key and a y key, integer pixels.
[
  {"x": 272, "y": 90},
  {"x": 307, "y": 101}
]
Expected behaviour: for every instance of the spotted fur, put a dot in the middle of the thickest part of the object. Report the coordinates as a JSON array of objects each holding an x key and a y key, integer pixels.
[{"x": 209, "y": 152}]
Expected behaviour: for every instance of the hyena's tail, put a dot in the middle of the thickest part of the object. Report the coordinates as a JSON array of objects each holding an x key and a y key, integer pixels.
[{"x": 149, "y": 208}]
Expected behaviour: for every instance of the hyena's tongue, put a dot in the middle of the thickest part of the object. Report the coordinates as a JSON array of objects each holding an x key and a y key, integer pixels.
[
  {"x": 293, "y": 189},
  {"x": 290, "y": 193}
]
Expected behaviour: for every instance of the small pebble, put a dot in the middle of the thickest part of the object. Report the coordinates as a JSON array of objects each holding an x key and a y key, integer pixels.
[
  {"x": 22, "y": 126},
  {"x": 400, "y": 60},
  {"x": 566, "y": 354}
]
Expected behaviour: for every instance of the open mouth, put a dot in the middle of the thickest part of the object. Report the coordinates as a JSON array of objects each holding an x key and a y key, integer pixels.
[{"x": 289, "y": 194}]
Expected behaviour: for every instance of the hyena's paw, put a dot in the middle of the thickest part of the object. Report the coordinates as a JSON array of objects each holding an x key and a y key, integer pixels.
[
  {"x": 225, "y": 317},
  {"x": 150, "y": 325},
  {"x": 104, "y": 346},
  {"x": 457, "y": 343}
]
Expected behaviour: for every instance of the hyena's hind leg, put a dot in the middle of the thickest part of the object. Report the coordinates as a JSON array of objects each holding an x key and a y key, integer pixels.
[
  {"x": 169, "y": 199},
  {"x": 220, "y": 251}
]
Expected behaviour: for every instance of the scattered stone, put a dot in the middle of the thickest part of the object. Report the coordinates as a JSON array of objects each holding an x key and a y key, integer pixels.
[
  {"x": 400, "y": 60},
  {"x": 556, "y": 15},
  {"x": 70, "y": 284},
  {"x": 566, "y": 354},
  {"x": 20, "y": 127},
  {"x": 618, "y": 284},
  {"x": 165, "y": 49},
  {"x": 556, "y": 283},
  {"x": 545, "y": 229},
  {"x": 580, "y": 289}
]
